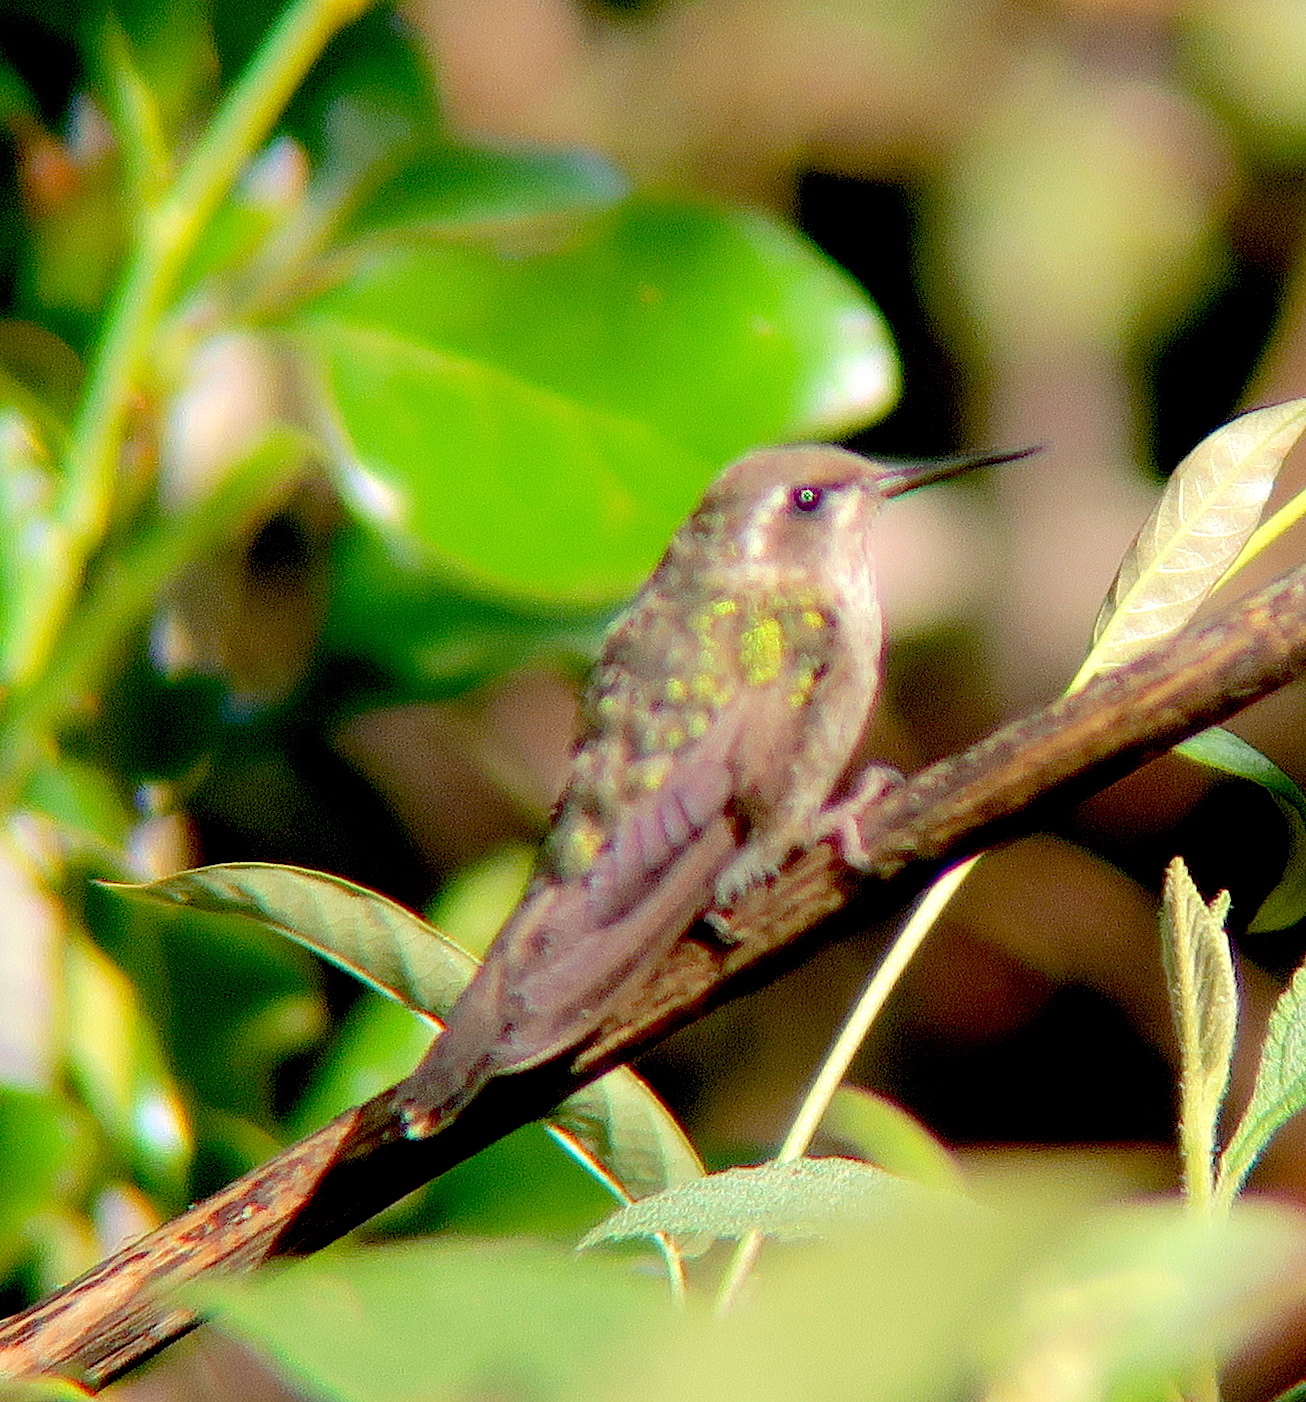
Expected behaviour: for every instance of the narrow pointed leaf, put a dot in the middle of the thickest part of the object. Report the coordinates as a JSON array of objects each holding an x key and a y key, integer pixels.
[
  {"x": 1279, "y": 1092},
  {"x": 358, "y": 930},
  {"x": 617, "y": 1126},
  {"x": 1206, "y": 513},
  {"x": 886, "y": 1135},
  {"x": 1221, "y": 749},
  {"x": 1204, "y": 1004}
]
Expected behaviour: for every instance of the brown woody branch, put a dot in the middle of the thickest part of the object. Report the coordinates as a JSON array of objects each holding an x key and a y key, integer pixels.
[{"x": 315, "y": 1191}]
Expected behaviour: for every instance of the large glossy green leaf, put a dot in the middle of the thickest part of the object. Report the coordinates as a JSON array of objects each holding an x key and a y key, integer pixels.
[
  {"x": 540, "y": 423},
  {"x": 464, "y": 469},
  {"x": 1204, "y": 1005},
  {"x": 457, "y": 188},
  {"x": 617, "y": 1127}
]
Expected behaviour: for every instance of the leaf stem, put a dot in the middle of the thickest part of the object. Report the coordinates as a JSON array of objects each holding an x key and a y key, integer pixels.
[
  {"x": 168, "y": 234},
  {"x": 844, "y": 1048},
  {"x": 122, "y": 593}
]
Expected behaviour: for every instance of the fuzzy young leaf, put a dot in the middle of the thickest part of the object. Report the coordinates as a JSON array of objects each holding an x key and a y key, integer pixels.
[
  {"x": 1279, "y": 1092},
  {"x": 1206, "y": 513},
  {"x": 789, "y": 1201},
  {"x": 1204, "y": 1003},
  {"x": 616, "y": 1127}
]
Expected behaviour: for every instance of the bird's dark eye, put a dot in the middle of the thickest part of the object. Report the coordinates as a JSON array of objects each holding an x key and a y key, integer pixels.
[{"x": 807, "y": 498}]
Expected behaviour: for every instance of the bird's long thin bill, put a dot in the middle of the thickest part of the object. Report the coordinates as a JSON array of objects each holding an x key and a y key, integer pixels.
[{"x": 899, "y": 477}]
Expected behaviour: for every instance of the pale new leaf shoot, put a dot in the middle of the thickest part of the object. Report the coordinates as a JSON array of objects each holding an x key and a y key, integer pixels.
[
  {"x": 1208, "y": 510},
  {"x": 1204, "y": 1002}
]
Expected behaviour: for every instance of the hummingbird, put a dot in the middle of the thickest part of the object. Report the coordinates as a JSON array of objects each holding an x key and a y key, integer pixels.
[{"x": 721, "y": 730}]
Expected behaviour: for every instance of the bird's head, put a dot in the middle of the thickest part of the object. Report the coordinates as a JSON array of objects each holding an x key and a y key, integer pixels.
[{"x": 782, "y": 505}]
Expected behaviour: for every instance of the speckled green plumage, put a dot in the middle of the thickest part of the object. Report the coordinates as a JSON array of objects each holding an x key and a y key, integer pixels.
[{"x": 665, "y": 678}]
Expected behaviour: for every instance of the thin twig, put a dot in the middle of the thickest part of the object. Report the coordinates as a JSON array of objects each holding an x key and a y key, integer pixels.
[{"x": 834, "y": 1069}]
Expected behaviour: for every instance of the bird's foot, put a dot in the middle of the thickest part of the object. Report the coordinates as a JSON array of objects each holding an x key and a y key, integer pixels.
[
  {"x": 846, "y": 816},
  {"x": 718, "y": 921}
]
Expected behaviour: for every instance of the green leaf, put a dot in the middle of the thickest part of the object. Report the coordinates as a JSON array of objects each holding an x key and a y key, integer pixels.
[
  {"x": 627, "y": 1137},
  {"x": 366, "y": 934},
  {"x": 461, "y": 188},
  {"x": 45, "y": 1158},
  {"x": 539, "y": 424},
  {"x": 620, "y": 1130},
  {"x": 1278, "y": 1093},
  {"x": 1143, "y": 1296},
  {"x": 886, "y": 1135},
  {"x": 117, "y": 1065},
  {"x": 1204, "y": 1004},
  {"x": 32, "y": 551},
  {"x": 541, "y": 498},
  {"x": 1209, "y": 508},
  {"x": 789, "y": 1201},
  {"x": 231, "y": 1001},
  {"x": 508, "y": 1319},
  {"x": 1220, "y": 749},
  {"x": 721, "y": 328}
]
